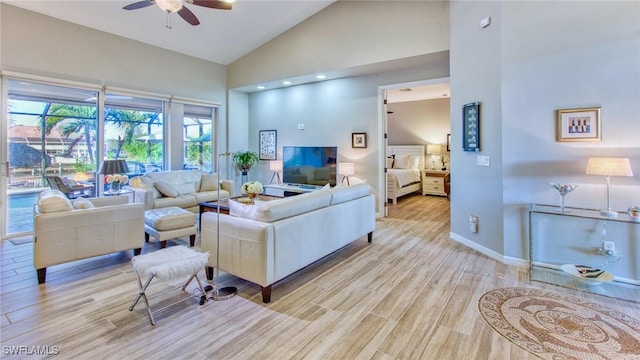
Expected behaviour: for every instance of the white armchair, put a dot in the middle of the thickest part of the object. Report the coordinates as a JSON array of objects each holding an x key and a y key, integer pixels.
[{"x": 66, "y": 231}]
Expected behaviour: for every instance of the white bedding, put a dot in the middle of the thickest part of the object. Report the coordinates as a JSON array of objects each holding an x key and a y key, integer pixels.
[{"x": 404, "y": 177}]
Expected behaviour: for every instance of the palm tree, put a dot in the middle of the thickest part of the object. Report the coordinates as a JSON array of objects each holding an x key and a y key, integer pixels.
[{"x": 82, "y": 118}]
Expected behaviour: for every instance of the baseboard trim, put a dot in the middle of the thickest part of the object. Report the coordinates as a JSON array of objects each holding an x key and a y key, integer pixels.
[{"x": 508, "y": 260}]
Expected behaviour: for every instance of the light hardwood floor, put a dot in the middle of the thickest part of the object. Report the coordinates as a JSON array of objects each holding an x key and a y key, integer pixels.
[{"x": 411, "y": 294}]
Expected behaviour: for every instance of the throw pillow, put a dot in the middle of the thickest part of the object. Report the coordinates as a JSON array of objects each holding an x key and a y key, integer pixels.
[
  {"x": 326, "y": 187},
  {"x": 390, "y": 160},
  {"x": 82, "y": 203},
  {"x": 241, "y": 210},
  {"x": 414, "y": 162},
  {"x": 53, "y": 201},
  {"x": 402, "y": 162},
  {"x": 166, "y": 189},
  {"x": 184, "y": 189},
  {"x": 209, "y": 182}
]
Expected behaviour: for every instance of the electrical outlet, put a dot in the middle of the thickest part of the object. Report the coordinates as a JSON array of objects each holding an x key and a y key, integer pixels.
[
  {"x": 609, "y": 248},
  {"x": 473, "y": 223}
]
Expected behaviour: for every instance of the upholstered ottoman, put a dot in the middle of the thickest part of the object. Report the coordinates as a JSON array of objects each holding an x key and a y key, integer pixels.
[{"x": 169, "y": 223}]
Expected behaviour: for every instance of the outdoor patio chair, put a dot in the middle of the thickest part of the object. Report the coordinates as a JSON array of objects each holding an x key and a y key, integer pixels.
[{"x": 71, "y": 191}]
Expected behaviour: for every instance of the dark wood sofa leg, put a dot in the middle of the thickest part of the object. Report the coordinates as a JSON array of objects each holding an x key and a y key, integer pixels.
[
  {"x": 192, "y": 240},
  {"x": 370, "y": 236},
  {"x": 266, "y": 294},
  {"x": 146, "y": 237},
  {"x": 137, "y": 251},
  {"x": 209, "y": 271},
  {"x": 42, "y": 275},
  {"x": 163, "y": 244}
]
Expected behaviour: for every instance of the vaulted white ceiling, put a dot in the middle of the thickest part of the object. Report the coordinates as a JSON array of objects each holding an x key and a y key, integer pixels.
[{"x": 222, "y": 36}]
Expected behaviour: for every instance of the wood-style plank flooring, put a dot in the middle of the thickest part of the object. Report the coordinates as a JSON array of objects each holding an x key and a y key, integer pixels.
[{"x": 411, "y": 294}]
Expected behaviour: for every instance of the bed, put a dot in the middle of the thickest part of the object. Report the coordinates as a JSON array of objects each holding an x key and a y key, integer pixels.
[{"x": 404, "y": 167}]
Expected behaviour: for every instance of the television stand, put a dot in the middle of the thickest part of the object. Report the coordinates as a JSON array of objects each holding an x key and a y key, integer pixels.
[{"x": 284, "y": 190}]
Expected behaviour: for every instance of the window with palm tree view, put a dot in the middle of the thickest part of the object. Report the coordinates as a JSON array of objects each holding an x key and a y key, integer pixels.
[{"x": 53, "y": 134}]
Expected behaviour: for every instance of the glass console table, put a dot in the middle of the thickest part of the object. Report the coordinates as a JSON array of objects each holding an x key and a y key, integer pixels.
[{"x": 576, "y": 237}]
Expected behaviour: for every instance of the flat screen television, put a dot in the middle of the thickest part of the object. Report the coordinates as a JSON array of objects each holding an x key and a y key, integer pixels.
[{"x": 309, "y": 165}]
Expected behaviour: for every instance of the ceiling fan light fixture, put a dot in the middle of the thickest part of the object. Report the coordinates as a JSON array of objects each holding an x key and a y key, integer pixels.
[{"x": 169, "y": 6}]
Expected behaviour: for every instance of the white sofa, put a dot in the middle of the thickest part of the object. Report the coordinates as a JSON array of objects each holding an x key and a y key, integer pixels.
[
  {"x": 270, "y": 240},
  {"x": 67, "y": 230},
  {"x": 182, "y": 188}
]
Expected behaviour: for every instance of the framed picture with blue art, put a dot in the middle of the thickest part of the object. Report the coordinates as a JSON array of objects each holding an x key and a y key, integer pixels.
[
  {"x": 471, "y": 127},
  {"x": 578, "y": 124},
  {"x": 268, "y": 144}
]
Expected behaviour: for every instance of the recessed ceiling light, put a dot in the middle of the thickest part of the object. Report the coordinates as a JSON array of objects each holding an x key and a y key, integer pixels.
[
  {"x": 286, "y": 83},
  {"x": 260, "y": 87},
  {"x": 445, "y": 94},
  {"x": 405, "y": 89},
  {"x": 320, "y": 76}
]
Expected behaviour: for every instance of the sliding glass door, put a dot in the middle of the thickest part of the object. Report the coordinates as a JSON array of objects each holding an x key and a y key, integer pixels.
[{"x": 51, "y": 133}]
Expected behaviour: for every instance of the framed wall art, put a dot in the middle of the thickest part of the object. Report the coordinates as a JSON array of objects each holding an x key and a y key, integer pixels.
[
  {"x": 471, "y": 127},
  {"x": 578, "y": 124},
  {"x": 448, "y": 142},
  {"x": 268, "y": 144},
  {"x": 358, "y": 140}
]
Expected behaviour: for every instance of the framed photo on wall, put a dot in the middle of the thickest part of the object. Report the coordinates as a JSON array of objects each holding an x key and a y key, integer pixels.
[
  {"x": 448, "y": 142},
  {"x": 578, "y": 124},
  {"x": 268, "y": 144},
  {"x": 358, "y": 140},
  {"x": 471, "y": 127}
]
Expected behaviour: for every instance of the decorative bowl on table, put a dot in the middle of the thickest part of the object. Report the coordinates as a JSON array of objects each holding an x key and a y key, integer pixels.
[
  {"x": 587, "y": 274},
  {"x": 563, "y": 190}
]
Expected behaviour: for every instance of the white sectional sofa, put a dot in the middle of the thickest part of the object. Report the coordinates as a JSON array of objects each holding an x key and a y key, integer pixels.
[
  {"x": 181, "y": 188},
  {"x": 266, "y": 242},
  {"x": 67, "y": 230}
]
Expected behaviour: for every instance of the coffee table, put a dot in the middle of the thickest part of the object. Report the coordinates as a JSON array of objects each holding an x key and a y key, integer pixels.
[{"x": 212, "y": 206}]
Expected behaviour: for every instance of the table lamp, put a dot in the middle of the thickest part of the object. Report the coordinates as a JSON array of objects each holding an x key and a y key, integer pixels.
[
  {"x": 112, "y": 167},
  {"x": 346, "y": 169},
  {"x": 276, "y": 167},
  {"x": 433, "y": 150},
  {"x": 609, "y": 167}
]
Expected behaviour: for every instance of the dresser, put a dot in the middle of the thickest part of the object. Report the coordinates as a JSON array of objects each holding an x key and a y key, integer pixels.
[{"x": 435, "y": 182}]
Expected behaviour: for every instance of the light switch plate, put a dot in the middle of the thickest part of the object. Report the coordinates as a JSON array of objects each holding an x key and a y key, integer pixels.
[{"x": 484, "y": 160}]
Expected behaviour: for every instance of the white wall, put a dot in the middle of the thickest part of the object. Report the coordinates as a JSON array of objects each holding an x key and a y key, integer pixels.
[
  {"x": 331, "y": 111},
  {"x": 521, "y": 78},
  {"x": 348, "y": 34},
  {"x": 475, "y": 76}
]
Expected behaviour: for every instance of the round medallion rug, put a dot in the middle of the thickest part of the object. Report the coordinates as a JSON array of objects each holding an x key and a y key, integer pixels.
[{"x": 555, "y": 326}]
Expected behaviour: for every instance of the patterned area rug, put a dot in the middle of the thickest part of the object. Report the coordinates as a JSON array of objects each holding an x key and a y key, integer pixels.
[{"x": 555, "y": 326}]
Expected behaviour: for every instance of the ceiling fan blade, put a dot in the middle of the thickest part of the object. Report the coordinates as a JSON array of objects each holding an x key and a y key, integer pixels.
[
  {"x": 188, "y": 16},
  {"x": 213, "y": 4},
  {"x": 139, "y": 5}
]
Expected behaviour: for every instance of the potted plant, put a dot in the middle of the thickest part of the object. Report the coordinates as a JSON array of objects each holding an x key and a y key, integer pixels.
[{"x": 244, "y": 160}]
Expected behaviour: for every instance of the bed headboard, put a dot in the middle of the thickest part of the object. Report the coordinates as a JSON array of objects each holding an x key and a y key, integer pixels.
[{"x": 417, "y": 150}]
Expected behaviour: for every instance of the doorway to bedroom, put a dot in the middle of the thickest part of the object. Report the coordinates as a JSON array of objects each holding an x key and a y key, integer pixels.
[{"x": 416, "y": 115}]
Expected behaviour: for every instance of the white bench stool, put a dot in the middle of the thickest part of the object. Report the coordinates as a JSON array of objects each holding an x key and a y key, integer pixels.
[
  {"x": 170, "y": 223},
  {"x": 167, "y": 264}
]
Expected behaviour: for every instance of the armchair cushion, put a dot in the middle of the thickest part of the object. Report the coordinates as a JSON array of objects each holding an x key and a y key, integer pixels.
[
  {"x": 53, "y": 201},
  {"x": 166, "y": 189},
  {"x": 82, "y": 203},
  {"x": 209, "y": 182}
]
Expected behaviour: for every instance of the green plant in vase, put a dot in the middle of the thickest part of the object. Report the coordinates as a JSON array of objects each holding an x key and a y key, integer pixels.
[{"x": 244, "y": 160}]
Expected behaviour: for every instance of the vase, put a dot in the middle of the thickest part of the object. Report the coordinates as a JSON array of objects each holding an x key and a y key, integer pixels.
[
  {"x": 252, "y": 196},
  {"x": 563, "y": 190},
  {"x": 115, "y": 186}
]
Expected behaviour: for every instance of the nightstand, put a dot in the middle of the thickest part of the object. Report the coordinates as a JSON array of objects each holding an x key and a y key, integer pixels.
[{"x": 434, "y": 182}]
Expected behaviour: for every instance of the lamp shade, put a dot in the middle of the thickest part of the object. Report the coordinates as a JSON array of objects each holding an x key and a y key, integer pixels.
[
  {"x": 609, "y": 166},
  {"x": 113, "y": 167},
  {"x": 346, "y": 169},
  {"x": 434, "y": 149},
  {"x": 275, "y": 165}
]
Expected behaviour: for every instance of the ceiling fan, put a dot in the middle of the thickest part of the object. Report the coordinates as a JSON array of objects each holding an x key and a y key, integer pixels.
[{"x": 177, "y": 6}]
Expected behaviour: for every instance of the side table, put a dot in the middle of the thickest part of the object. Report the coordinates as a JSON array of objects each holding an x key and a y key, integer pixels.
[{"x": 121, "y": 192}]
